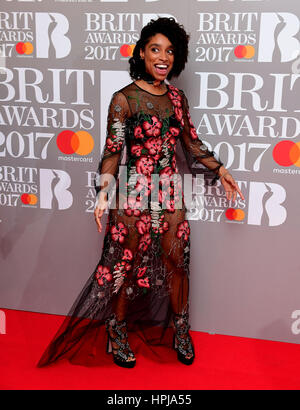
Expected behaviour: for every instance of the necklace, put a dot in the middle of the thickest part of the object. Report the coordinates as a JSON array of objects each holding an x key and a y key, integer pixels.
[{"x": 150, "y": 80}]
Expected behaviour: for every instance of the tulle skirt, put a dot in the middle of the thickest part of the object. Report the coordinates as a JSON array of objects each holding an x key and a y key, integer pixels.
[{"x": 143, "y": 277}]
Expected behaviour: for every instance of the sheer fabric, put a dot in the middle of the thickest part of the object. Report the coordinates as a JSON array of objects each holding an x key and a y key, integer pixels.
[{"x": 143, "y": 272}]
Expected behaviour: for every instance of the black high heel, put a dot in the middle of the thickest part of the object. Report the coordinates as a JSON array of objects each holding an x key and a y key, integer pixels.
[
  {"x": 123, "y": 352},
  {"x": 182, "y": 341}
]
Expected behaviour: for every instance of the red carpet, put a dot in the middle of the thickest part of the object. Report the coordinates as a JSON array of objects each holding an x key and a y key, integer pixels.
[{"x": 222, "y": 362}]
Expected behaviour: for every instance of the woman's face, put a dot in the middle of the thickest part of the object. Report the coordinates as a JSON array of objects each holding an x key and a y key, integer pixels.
[{"x": 158, "y": 56}]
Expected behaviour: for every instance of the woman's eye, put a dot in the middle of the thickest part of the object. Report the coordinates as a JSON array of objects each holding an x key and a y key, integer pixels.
[{"x": 156, "y": 50}]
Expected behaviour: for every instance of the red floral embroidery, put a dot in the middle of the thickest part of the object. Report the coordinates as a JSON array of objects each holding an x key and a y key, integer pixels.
[
  {"x": 174, "y": 131},
  {"x": 154, "y": 146},
  {"x": 145, "y": 165},
  {"x": 170, "y": 205},
  {"x": 175, "y": 97},
  {"x": 118, "y": 232},
  {"x": 128, "y": 255},
  {"x": 183, "y": 229},
  {"x": 163, "y": 225},
  {"x": 193, "y": 133},
  {"x": 179, "y": 115},
  {"x": 166, "y": 172},
  {"x": 138, "y": 132},
  {"x": 152, "y": 130},
  {"x": 144, "y": 242},
  {"x": 103, "y": 272},
  {"x": 170, "y": 141},
  {"x": 120, "y": 266},
  {"x": 141, "y": 271},
  {"x": 137, "y": 150},
  {"x": 143, "y": 224},
  {"x": 131, "y": 207},
  {"x": 113, "y": 144},
  {"x": 144, "y": 283},
  {"x": 176, "y": 100},
  {"x": 174, "y": 164}
]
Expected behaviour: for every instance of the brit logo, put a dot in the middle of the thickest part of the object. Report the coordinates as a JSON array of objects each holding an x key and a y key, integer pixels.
[
  {"x": 51, "y": 39},
  {"x": 265, "y": 204},
  {"x": 278, "y": 40},
  {"x": 54, "y": 193}
]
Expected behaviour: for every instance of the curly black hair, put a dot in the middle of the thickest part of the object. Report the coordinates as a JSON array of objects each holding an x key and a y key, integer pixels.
[{"x": 175, "y": 33}]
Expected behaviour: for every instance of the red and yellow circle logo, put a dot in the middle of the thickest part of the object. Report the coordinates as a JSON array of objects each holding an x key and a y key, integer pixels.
[
  {"x": 235, "y": 214},
  {"x": 24, "y": 48},
  {"x": 244, "y": 51},
  {"x": 287, "y": 153},
  {"x": 126, "y": 50},
  {"x": 70, "y": 142},
  {"x": 29, "y": 199}
]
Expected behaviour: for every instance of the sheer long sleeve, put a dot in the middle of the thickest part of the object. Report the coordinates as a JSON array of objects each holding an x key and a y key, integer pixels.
[
  {"x": 111, "y": 157},
  {"x": 199, "y": 158}
]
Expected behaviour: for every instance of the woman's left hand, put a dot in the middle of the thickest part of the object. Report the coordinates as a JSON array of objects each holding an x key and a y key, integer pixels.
[{"x": 230, "y": 186}]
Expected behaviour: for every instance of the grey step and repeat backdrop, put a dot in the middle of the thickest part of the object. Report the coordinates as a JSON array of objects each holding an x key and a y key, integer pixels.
[{"x": 60, "y": 63}]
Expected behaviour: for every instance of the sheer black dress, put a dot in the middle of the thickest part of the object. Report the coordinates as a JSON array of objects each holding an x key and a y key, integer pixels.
[{"x": 143, "y": 272}]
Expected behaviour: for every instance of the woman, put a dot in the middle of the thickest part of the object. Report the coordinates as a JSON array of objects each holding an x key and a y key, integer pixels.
[{"x": 141, "y": 282}]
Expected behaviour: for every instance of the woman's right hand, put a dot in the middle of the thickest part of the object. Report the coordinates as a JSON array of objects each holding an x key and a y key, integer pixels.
[{"x": 99, "y": 211}]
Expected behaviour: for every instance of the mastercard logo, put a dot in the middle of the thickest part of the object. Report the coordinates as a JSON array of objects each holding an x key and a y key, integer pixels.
[
  {"x": 126, "y": 50},
  {"x": 244, "y": 51},
  {"x": 24, "y": 48},
  {"x": 235, "y": 214},
  {"x": 287, "y": 153},
  {"x": 70, "y": 142},
  {"x": 29, "y": 199}
]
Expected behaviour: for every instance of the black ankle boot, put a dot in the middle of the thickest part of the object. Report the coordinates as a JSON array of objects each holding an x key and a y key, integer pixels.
[
  {"x": 182, "y": 341},
  {"x": 117, "y": 333}
]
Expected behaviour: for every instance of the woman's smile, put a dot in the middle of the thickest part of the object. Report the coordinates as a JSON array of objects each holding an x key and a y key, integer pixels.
[{"x": 161, "y": 69}]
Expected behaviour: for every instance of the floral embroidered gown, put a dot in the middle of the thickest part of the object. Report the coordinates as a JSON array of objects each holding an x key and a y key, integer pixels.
[{"x": 143, "y": 272}]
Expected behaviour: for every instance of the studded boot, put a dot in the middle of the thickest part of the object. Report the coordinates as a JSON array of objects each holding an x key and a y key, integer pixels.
[
  {"x": 182, "y": 341},
  {"x": 117, "y": 342}
]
